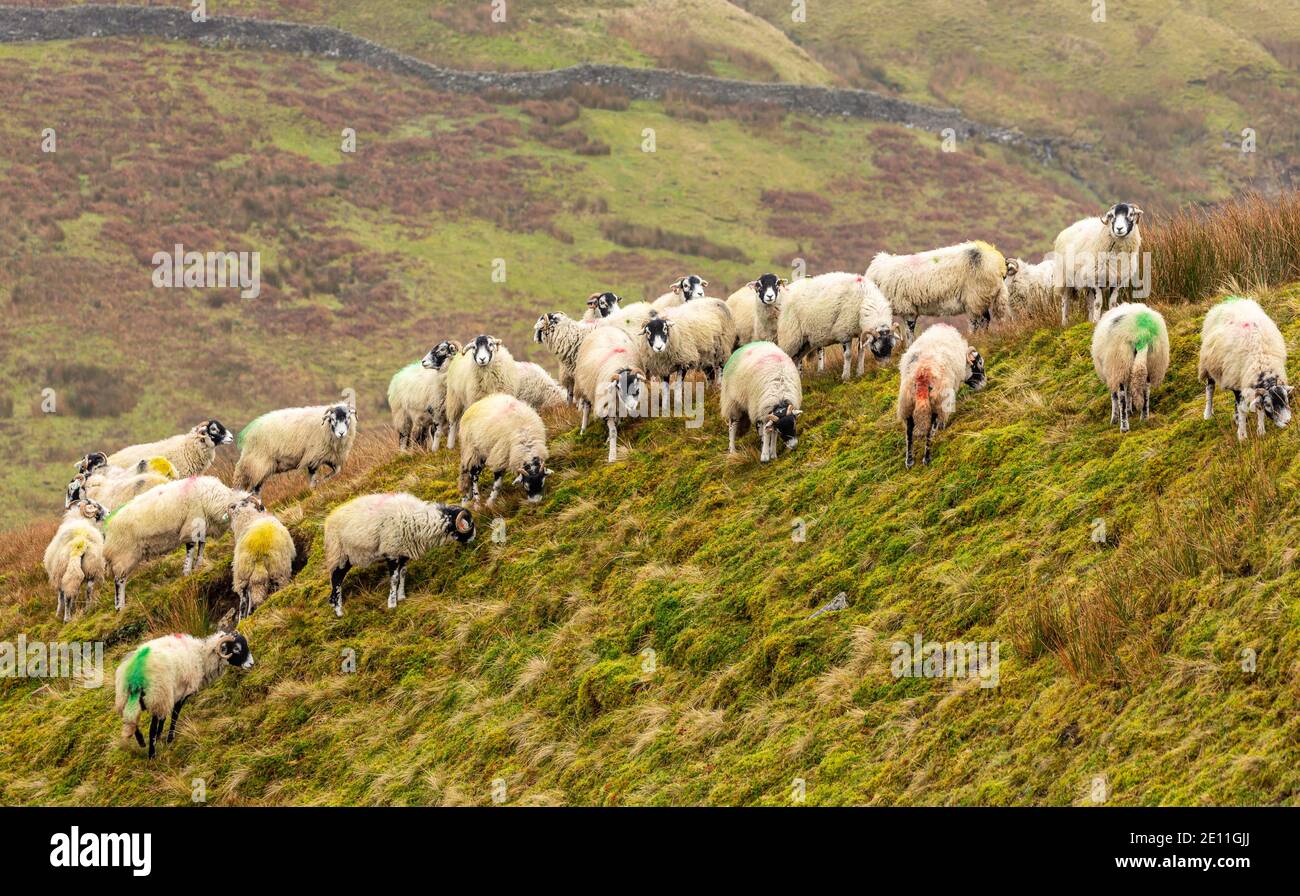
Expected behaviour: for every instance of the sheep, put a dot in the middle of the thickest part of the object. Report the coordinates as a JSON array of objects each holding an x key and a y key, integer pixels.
[
  {"x": 167, "y": 516},
  {"x": 601, "y": 305},
  {"x": 160, "y": 675},
  {"x": 609, "y": 381},
  {"x": 684, "y": 290},
  {"x": 836, "y": 308},
  {"x": 704, "y": 335},
  {"x": 112, "y": 487},
  {"x": 755, "y": 308},
  {"x": 1095, "y": 253},
  {"x": 264, "y": 554},
  {"x": 563, "y": 336},
  {"x": 75, "y": 556},
  {"x": 295, "y": 439},
  {"x": 930, "y": 373},
  {"x": 417, "y": 397},
  {"x": 190, "y": 453},
  {"x": 1130, "y": 352},
  {"x": 537, "y": 387},
  {"x": 503, "y": 433},
  {"x": 761, "y": 385},
  {"x": 1030, "y": 287},
  {"x": 395, "y": 528},
  {"x": 963, "y": 279},
  {"x": 1242, "y": 350},
  {"x": 483, "y": 366}
]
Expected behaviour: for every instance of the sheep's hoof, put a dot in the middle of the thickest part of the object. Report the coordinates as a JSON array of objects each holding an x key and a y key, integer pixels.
[
  {"x": 338, "y": 610},
  {"x": 908, "y": 463}
]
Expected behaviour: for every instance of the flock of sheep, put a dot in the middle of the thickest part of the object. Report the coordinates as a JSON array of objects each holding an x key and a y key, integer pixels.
[{"x": 615, "y": 362}]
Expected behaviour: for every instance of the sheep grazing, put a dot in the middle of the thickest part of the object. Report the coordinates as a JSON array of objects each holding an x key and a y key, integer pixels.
[
  {"x": 1098, "y": 253},
  {"x": 963, "y": 279},
  {"x": 190, "y": 453},
  {"x": 601, "y": 305},
  {"x": 760, "y": 385},
  {"x": 417, "y": 397},
  {"x": 684, "y": 290},
  {"x": 755, "y": 308},
  {"x": 1031, "y": 288},
  {"x": 483, "y": 366},
  {"x": 295, "y": 439},
  {"x": 160, "y": 675},
  {"x": 395, "y": 528},
  {"x": 167, "y": 516},
  {"x": 502, "y": 433},
  {"x": 930, "y": 374},
  {"x": 537, "y": 387},
  {"x": 264, "y": 554},
  {"x": 1130, "y": 352},
  {"x": 609, "y": 381},
  {"x": 75, "y": 556},
  {"x": 563, "y": 336},
  {"x": 1243, "y": 350},
  {"x": 836, "y": 308},
  {"x": 113, "y": 487}
]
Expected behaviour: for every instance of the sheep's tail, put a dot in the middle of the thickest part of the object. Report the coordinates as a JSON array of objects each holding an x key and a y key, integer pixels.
[
  {"x": 921, "y": 408},
  {"x": 74, "y": 574},
  {"x": 1137, "y": 378}
]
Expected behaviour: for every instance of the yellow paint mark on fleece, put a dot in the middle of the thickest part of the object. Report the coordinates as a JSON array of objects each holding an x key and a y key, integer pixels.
[
  {"x": 77, "y": 546},
  {"x": 162, "y": 465},
  {"x": 999, "y": 262},
  {"x": 259, "y": 539}
]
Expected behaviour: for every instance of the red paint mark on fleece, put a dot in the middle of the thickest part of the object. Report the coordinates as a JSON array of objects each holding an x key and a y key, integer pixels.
[
  {"x": 188, "y": 485},
  {"x": 924, "y": 381}
]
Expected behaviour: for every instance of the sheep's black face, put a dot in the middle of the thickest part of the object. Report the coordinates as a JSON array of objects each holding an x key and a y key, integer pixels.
[
  {"x": 1274, "y": 399},
  {"x": 656, "y": 332},
  {"x": 533, "y": 478},
  {"x": 976, "y": 378},
  {"x": 631, "y": 389},
  {"x": 75, "y": 491},
  {"x": 459, "y": 523},
  {"x": 691, "y": 287},
  {"x": 92, "y": 462},
  {"x": 782, "y": 419},
  {"x": 217, "y": 434},
  {"x": 439, "y": 355},
  {"x": 605, "y": 303},
  {"x": 768, "y": 288},
  {"x": 336, "y": 418},
  {"x": 882, "y": 343},
  {"x": 234, "y": 650},
  {"x": 1122, "y": 218},
  {"x": 482, "y": 349},
  {"x": 545, "y": 324}
]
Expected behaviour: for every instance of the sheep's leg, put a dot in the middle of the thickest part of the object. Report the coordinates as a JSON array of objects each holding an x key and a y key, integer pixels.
[
  {"x": 1114, "y": 298},
  {"x": 401, "y": 579},
  {"x": 911, "y": 330},
  {"x": 139, "y": 738},
  {"x": 821, "y": 359},
  {"x": 1260, "y": 417},
  {"x": 1065, "y": 307},
  {"x": 1239, "y": 415},
  {"x": 436, "y": 435},
  {"x": 907, "y": 453},
  {"x": 1114, "y": 408},
  {"x": 119, "y": 596},
  {"x": 155, "y": 729},
  {"x": 731, "y": 436},
  {"x": 586, "y": 408},
  {"x": 452, "y": 427},
  {"x": 188, "y": 566},
  {"x": 1146, "y": 402},
  {"x": 1209, "y": 399},
  {"x": 394, "y": 571},
  {"x": 497, "y": 476},
  {"x": 311, "y": 476},
  {"x": 679, "y": 386},
  {"x": 613, "y": 439},
  {"x": 1123, "y": 407},
  {"x": 862, "y": 356},
  {"x": 90, "y": 594},
  {"x": 1094, "y": 312},
  {"x": 847, "y": 371},
  {"x": 198, "y": 553},
  {"x": 176, "y": 714},
  {"x": 929, "y": 436},
  {"x": 337, "y": 575},
  {"x": 60, "y": 610}
]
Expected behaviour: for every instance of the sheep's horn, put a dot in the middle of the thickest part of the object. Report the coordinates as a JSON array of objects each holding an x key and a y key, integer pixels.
[{"x": 463, "y": 521}]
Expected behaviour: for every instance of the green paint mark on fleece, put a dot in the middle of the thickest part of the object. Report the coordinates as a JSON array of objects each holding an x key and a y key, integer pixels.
[
  {"x": 243, "y": 433},
  {"x": 727, "y": 368},
  {"x": 1148, "y": 328},
  {"x": 1231, "y": 299},
  {"x": 136, "y": 679}
]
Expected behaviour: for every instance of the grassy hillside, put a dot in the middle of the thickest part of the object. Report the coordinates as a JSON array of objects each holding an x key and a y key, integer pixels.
[
  {"x": 370, "y": 258},
  {"x": 526, "y": 661}
]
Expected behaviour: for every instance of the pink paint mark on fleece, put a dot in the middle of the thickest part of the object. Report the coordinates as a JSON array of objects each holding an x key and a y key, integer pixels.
[{"x": 188, "y": 485}]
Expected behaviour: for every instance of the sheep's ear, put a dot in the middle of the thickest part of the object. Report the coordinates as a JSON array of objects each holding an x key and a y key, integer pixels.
[
  {"x": 1134, "y": 213},
  {"x": 1109, "y": 216},
  {"x": 782, "y": 282},
  {"x": 645, "y": 329},
  {"x": 496, "y": 343},
  {"x": 753, "y": 284}
]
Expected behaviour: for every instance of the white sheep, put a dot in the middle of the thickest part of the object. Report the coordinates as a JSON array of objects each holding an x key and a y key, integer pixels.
[
  {"x": 963, "y": 279},
  {"x": 504, "y": 434},
  {"x": 1031, "y": 288},
  {"x": 930, "y": 373},
  {"x": 836, "y": 308},
  {"x": 190, "y": 453},
  {"x": 75, "y": 556},
  {"x": 483, "y": 366},
  {"x": 113, "y": 487},
  {"x": 295, "y": 439},
  {"x": 761, "y": 385},
  {"x": 684, "y": 290},
  {"x": 755, "y": 308},
  {"x": 538, "y": 388},
  {"x": 1095, "y": 254},
  {"x": 697, "y": 335},
  {"x": 1242, "y": 350},
  {"x": 417, "y": 397},
  {"x": 609, "y": 382},
  {"x": 160, "y": 675},
  {"x": 264, "y": 554},
  {"x": 186, "y": 512},
  {"x": 1130, "y": 352},
  {"x": 395, "y": 528}
]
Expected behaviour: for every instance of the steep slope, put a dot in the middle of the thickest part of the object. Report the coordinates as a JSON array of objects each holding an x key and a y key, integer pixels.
[{"x": 643, "y": 635}]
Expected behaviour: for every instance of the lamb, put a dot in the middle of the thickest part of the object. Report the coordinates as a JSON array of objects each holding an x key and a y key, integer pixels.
[
  {"x": 167, "y": 516},
  {"x": 392, "y": 527},
  {"x": 963, "y": 279},
  {"x": 112, "y": 487},
  {"x": 1095, "y": 253},
  {"x": 563, "y": 336},
  {"x": 761, "y": 385},
  {"x": 483, "y": 366},
  {"x": 836, "y": 308},
  {"x": 755, "y": 308},
  {"x": 601, "y": 305},
  {"x": 609, "y": 381},
  {"x": 75, "y": 556},
  {"x": 930, "y": 373},
  {"x": 684, "y": 290},
  {"x": 503, "y": 433},
  {"x": 264, "y": 554},
  {"x": 190, "y": 453},
  {"x": 1130, "y": 352},
  {"x": 295, "y": 439},
  {"x": 1030, "y": 287},
  {"x": 1242, "y": 350},
  {"x": 417, "y": 396},
  {"x": 537, "y": 387},
  {"x": 160, "y": 675}
]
